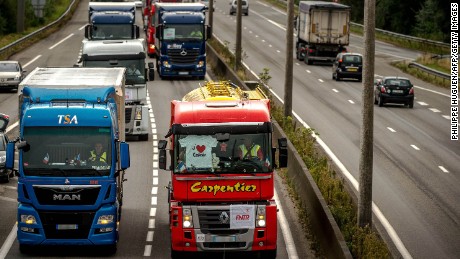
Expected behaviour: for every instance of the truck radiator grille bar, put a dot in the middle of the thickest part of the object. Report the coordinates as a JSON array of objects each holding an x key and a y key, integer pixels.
[
  {"x": 214, "y": 219},
  {"x": 66, "y": 225},
  {"x": 224, "y": 244},
  {"x": 75, "y": 196},
  {"x": 177, "y": 56},
  {"x": 128, "y": 112}
]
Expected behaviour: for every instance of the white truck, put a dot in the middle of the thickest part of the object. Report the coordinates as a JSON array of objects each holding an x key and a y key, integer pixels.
[
  {"x": 323, "y": 30},
  {"x": 125, "y": 53}
]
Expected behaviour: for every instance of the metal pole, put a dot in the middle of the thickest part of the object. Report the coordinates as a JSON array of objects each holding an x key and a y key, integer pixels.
[
  {"x": 289, "y": 67},
  {"x": 238, "y": 37}
]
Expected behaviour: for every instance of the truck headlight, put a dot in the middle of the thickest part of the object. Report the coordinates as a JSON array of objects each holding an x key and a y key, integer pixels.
[
  {"x": 166, "y": 64},
  {"x": 2, "y": 159},
  {"x": 260, "y": 218},
  {"x": 200, "y": 64},
  {"x": 28, "y": 219},
  {"x": 138, "y": 113},
  {"x": 105, "y": 219},
  {"x": 187, "y": 218}
]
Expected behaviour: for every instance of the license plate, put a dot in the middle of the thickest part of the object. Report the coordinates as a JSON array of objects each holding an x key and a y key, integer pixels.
[
  {"x": 183, "y": 73},
  {"x": 398, "y": 91},
  {"x": 352, "y": 69},
  {"x": 223, "y": 239},
  {"x": 66, "y": 226}
]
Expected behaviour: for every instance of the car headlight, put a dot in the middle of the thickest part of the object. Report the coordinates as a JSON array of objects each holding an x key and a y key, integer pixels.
[
  {"x": 2, "y": 159},
  {"x": 138, "y": 113},
  {"x": 105, "y": 219},
  {"x": 28, "y": 219},
  {"x": 187, "y": 218},
  {"x": 17, "y": 77}
]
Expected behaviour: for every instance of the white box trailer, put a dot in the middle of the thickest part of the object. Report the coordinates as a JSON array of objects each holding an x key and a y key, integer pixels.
[{"x": 323, "y": 30}]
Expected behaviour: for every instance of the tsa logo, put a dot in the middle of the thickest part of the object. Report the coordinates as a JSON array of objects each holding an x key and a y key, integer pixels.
[{"x": 67, "y": 119}]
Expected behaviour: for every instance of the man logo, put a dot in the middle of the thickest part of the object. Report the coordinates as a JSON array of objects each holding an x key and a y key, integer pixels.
[{"x": 66, "y": 197}]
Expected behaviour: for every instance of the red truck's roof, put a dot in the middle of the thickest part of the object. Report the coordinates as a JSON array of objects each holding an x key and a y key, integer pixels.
[{"x": 221, "y": 111}]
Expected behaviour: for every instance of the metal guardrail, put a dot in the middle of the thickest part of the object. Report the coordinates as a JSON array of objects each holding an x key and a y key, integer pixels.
[
  {"x": 12, "y": 45},
  {"x": 430, "y": 71},
  {"x": 436, "y": 44}
]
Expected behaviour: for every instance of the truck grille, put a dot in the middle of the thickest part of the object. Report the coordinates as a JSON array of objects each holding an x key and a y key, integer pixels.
[
  {"x": 224, "y": 244},
  {"x": 177, "y": 58},
  {"x": 128, "y": 112},
  {"x": 82, "y": 221},
  {"x": 57, "y": 195}
]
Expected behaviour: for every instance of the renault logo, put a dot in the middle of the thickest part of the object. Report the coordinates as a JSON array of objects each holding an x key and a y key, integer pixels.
[
  {"x": 183, "y": 52},
  {"x": 224, "y": 218},
  {"x": 67, "y": 181}
]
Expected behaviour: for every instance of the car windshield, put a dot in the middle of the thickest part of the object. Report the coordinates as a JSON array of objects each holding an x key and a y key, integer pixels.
[
  {"x": 238, "y": 153},
  {"x": 9, "y": 67},
  {"x": 135, "y": 72},
  {"x": 352, "y": 59},
  {"x": 397, "y": 82},
  {"x": 67, "y": 151},
  {"x": 112, "y": 31}
]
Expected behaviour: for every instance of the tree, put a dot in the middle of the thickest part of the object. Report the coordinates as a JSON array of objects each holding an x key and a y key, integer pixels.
[{"x": 429, "y": 20}]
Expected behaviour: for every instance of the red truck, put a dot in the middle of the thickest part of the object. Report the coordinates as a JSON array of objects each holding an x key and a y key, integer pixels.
[
  {"x": 222, "y": 171},
  {"x": 149, "y": 24}
]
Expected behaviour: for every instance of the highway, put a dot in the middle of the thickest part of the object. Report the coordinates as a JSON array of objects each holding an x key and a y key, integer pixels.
[
  {"x": 144, "y": 229},
  {"x": 416, "y": 175}
]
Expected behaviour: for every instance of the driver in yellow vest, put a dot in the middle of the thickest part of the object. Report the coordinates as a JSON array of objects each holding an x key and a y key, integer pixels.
[
  {"x": 98, "y": 154},
  {"x": 250, "y": 150}
]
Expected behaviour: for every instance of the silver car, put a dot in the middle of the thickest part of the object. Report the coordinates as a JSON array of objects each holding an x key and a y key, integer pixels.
[
  {"x": 11, "y": 74},
  {"x": 244, "y": 7}
]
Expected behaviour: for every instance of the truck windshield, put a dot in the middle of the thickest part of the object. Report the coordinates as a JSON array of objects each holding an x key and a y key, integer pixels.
[
  {"x": 184, "y": 32},
  {"x": 135, "y": 68},
  {"x": 67, "y": 151},
  {"x": 112, "y": 31},
  {"x": 237, "y": 153}
]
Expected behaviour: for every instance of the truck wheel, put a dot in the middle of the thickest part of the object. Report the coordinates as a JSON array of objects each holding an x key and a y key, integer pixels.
[
  {"x": 176, "y": 254},
  {"x": 25, "y": 249},
  {"x": 109, "y": 249},
  {"x": 269, "y": 254},
  {"x": 6, "y": 177}
]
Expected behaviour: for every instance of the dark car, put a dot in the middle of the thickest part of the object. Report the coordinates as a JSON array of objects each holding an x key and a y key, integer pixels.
[
  {"x": 394, "y": 89},
  {"x": 348, "y": 65},
  {"x": 4, "y": 173}
]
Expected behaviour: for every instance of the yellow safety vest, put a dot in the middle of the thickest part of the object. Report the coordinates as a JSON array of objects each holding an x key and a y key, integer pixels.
[
  {"x": 102, "y": 157},
  {"x": 253, "y": 153}
]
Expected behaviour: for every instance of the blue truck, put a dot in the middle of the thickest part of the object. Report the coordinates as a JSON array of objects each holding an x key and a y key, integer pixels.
[
  {"x": 64, "y": 197},
  {"x": 112, "y": 21},
  {"x": 180, "y": 39}
]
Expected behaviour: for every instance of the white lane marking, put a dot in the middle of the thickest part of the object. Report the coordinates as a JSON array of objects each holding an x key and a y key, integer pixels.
[
  {"x": 8, "y": 242},
  {"x": 290, "y": 245},
  {"x": 8, "y": 199},
  {"x": 422, "y": 103},
  {"x": 149, "y": 236},
  {"x": 432, "y": 91},
  {"x": 155, "y": 190},
  {"x": 335, "y": 90},
  {"x": 151, "y": 223},
  {"x": 155, "y": 172},
  {"x": 148, "y": 250},
  {"x": 278, "y": 51},
  {"x": 153, "y": 212},
  {"x": 390, "y": 129},
  {"x": 443, "y": 169},
  {"x": 321, "y": 80},
  {"x": 434, "y": 110},
  {"x": 351, "y": 101},
  {"x": 154, "y": 200},
  {"x": 270, "y": 45},
  {"x": 155, "y": 180},
  {"x": 308, "y": 71},
  {"x": 66, "y": 38},
  {"x": 415, "y": 147},
  {"x": 30, "y": 62},
  {"x": 82, "y": 27},
  {"x": 446, "y": 117}
]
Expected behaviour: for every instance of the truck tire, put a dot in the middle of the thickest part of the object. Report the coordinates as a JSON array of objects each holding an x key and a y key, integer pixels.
[
  {"x": 269, "y": 254},
  {"x": 144, "y": 137},
  {"x": 25, "y": 249},
  {"x": 177, "y": 254}
]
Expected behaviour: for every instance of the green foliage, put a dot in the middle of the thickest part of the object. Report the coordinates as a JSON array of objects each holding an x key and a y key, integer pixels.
[
  {"x": 363, "y": 243},
  {"x": 429, "y": 21}
]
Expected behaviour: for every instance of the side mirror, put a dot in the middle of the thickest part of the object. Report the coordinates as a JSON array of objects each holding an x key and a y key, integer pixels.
[
  {"x": 24, "y": 146},
  {"x": 208, "y": 32},
  {"x": 136, "y": 32},
  {"x": 9, "y": 155},
  {"x": 88, "y": 31},
  {"x": 151, "y": 71},
  {"x": 162, "y": 156},
  {"x": 283, "y": 152},
  {"x": 124, "y": 156}
]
